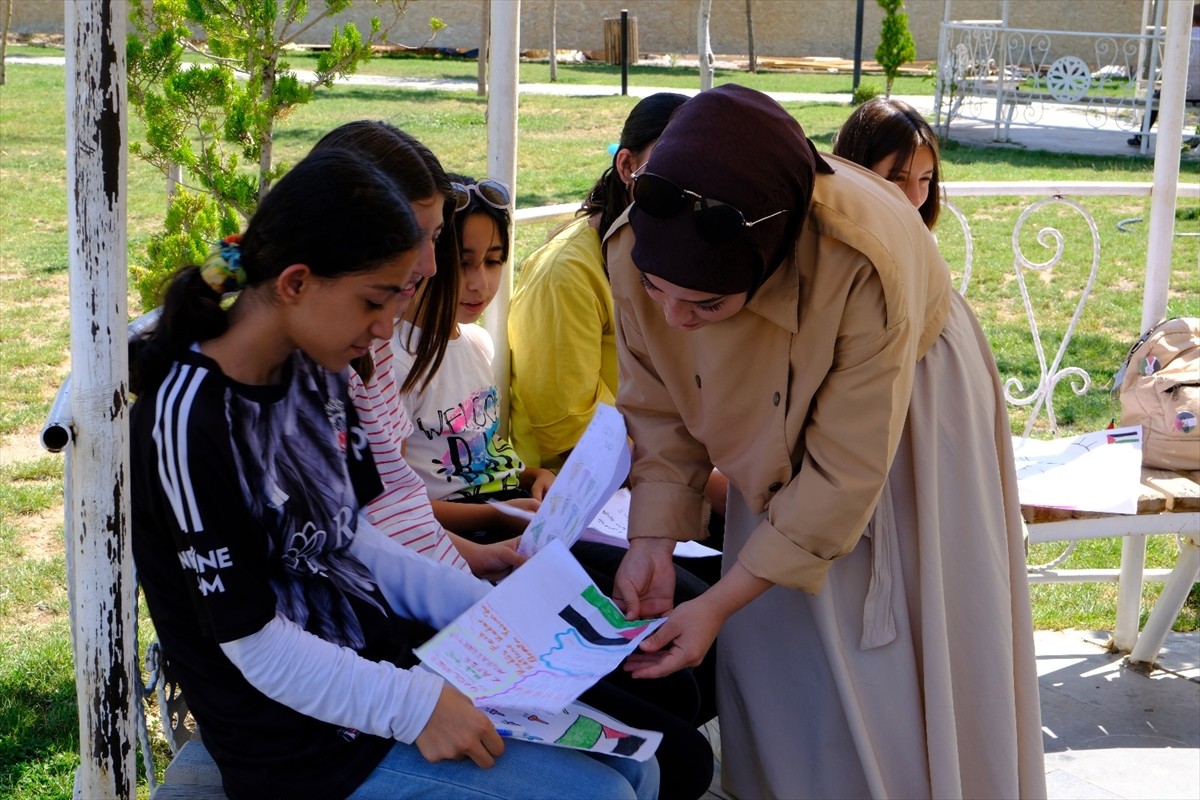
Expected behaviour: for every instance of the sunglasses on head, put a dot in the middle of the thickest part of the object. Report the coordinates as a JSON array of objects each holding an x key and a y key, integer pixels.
[
  {"x": 494, "y": 193},
  {"x": 716, "y": 222}
]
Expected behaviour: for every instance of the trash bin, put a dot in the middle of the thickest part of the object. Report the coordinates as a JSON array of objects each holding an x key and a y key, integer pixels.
[{"x": 612, "y": 40}]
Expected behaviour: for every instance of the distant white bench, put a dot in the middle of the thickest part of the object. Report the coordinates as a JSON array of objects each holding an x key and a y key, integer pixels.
[{"x": 988, "y": 71}]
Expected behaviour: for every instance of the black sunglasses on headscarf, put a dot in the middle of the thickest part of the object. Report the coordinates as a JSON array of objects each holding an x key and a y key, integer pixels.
[{"x": 716, "y": 222}]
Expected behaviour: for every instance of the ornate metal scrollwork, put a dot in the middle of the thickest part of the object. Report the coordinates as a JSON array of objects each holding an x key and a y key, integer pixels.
[
  {"x": 969, "y": 245},
  {"x": 1052, "y": 373},
  {"x": 1068, "y": 79}
]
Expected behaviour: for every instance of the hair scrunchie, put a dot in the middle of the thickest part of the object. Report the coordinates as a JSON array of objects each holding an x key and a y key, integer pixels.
[{"x": 222, "y": 270}]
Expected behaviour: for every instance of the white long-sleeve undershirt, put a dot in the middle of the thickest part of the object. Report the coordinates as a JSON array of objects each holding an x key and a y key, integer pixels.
[{"x": 333, "y": 683}]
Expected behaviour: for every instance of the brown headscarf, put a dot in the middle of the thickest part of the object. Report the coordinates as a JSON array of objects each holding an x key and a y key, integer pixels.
[{"x": 738, "y": 146}]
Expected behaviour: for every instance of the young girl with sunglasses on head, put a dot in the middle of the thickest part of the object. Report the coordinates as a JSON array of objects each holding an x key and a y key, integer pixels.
[
  {"x": 457, "y": 450},
  {"x": 455, "y": 447},
  {"x": 290, "y": 620}
]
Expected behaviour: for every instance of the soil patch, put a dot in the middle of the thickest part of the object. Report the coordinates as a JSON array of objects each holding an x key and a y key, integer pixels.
[
  {"x": 21, "y": 446},
  {"x": 41, "y": 534}
]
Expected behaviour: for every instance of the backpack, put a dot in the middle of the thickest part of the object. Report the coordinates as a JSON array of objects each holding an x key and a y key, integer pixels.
[{"x": 1159, "y": 389}]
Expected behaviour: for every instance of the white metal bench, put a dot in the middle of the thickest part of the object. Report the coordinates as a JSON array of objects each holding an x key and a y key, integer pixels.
[
  {"x": 1169, "y": 502},
  {"x": 988, "y": 71}
]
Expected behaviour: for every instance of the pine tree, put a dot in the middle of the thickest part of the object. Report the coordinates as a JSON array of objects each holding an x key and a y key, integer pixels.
[{"x": 896, "y": 45}]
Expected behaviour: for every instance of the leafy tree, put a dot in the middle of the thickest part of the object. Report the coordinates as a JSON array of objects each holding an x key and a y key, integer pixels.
[
  {"x": 896, "y": 45},
  {"x": 211, "y": 80},
  {"x": 753, "y": 59}
]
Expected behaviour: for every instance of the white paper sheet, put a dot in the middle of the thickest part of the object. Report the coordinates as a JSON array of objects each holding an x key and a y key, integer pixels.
[
  {"x": 538, "y": 640},
  {"x": 593, "y": 471},
  {"x": 611, "y": 526},
  {"x": 1098, "y": 471},
  {"x": 578, "y": 727}
]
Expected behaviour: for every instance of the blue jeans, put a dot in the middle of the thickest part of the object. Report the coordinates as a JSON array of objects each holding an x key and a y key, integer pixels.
[{"x": 526, "y": 771}]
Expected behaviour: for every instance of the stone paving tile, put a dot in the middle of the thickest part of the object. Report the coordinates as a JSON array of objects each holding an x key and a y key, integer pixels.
[{"x": 1110, "y": 733}]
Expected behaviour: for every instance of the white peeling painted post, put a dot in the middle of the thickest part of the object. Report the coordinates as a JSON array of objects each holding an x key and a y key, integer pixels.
[
  {"x": 503, "y": 80},
  {"x": 98, "y": 468},
  {"x": 1160, "y": 234}
]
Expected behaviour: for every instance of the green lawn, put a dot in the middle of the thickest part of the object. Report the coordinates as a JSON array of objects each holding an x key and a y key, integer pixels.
[
  {"x": 563, "y": 148},
  {"x": 595, "y": 74}
]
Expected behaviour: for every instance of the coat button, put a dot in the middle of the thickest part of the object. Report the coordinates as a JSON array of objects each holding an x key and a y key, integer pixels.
[
  {"x": 775, "y": 487},
  {"x": 697, "y": 381},
  {"x": 775, "y": 399}
]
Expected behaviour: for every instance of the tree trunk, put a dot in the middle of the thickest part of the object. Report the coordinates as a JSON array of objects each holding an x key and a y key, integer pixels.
[
  {"x": 266, "y": 137},
  {"x": 174, "y": 180},
  {"x": 553, "y": 41},
  {"x": 485, "y": 28},
  {"x": 100, "y": 584},
  {"x": 4, "y": 37},
  {"x": 750, "y": 38},
  {"x": 704, "y": 45}
]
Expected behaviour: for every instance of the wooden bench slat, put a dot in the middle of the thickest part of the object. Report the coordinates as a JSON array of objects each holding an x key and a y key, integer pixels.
[
  {"x": 1151, "y": 500},
  {"x": 1181, "y": 490},
  {"x": 1161, "y": 491}
]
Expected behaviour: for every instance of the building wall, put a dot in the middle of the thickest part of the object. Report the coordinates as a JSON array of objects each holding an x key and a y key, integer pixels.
[
  {"x": 36, "y": 16},
  {"x": 781, "y": 27},
  {"x": 796, "y": 27}
]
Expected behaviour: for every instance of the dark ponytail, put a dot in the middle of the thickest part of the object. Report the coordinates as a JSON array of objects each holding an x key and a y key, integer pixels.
[
  {"x": 190, "y": 312},
  {"x": 643, "y": 126}
]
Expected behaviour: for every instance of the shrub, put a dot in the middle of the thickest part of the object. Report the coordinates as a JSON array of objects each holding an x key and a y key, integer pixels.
[{"x": 863, "y": 93}]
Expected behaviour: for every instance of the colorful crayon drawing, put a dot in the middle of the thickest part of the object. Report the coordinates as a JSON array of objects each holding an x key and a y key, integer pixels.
[
  {"x": 539, "y": 640},
  {"x": 586, "y": 733},
  {"x": 578, "y": 727},
  {"x": 592, "y": 472}
]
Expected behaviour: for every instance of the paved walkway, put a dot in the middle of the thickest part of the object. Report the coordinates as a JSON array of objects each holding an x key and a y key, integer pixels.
[{"x": 1110, "y": 732}]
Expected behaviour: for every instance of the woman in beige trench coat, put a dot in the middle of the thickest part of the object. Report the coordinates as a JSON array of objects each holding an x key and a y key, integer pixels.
[{"x": 787, "y": 319}]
